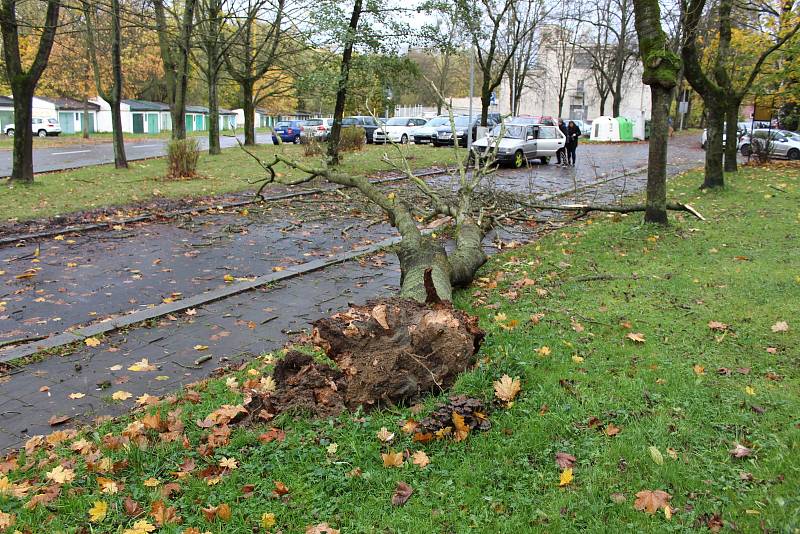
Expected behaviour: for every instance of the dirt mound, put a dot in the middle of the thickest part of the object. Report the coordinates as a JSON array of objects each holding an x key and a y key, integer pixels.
[{"x": 388, "y": 352}]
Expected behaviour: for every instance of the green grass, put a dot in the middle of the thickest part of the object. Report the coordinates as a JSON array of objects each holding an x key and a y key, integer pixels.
[
  {"x": 742, "y": 268},
  {"x": 103, "y": 186}
]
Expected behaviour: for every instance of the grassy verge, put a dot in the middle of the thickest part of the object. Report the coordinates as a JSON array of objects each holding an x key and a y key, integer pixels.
[
  {"x": 648, "y": 354},
  {"x": 7, "y": 143},
  {"x": 233, "y": 170}
]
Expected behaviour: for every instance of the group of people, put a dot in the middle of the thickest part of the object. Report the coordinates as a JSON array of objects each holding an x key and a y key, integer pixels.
[{"x": 566, "y": 155}]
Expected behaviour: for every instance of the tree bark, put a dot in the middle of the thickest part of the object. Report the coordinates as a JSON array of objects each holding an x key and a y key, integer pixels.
[
  {"x": 120, "y": 159},
  {"x": 22, "y": 169},
  {"x": 656, "y": 202},
  {"x": 731, "y": 135},
  {"x": 714, "y": 176},
  {"x": 249, "y": 113},
  {"x": 341, "y": 88},
  {"x": 213, "y": 115},
  {"x": 85, "y": 121}
]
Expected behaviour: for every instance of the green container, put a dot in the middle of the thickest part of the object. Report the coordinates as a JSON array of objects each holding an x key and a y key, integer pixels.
[{"x": 625, "y": 129}]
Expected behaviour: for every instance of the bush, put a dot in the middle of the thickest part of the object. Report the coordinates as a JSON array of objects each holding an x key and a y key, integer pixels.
[
  {"x": 182, "y": 157},
  {"x": 352, "y": 139},
  {"x": 311, "y": 146},
  {"x": 762, "y": 150}
]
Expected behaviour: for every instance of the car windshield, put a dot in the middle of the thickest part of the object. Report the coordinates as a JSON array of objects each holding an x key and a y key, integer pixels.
[
  {"x": 349, "y": 122},
  {"x": 794, "y": 136},
  {"x": 397, "y": 121},
  {"x": 283, "y": 125},
  {"x": 437, "y": 121},
  {"x": 313, "y": 122},
  {"x": 462, "y": 121},
  {"x": 510, "y": 131}
]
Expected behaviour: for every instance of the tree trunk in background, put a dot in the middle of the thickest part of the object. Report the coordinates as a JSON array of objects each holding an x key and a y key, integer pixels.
[
  {"x": 213, "y": 117},
  {"x": 656, "y": 203},
  {"x": 341, "y": 88},
  {"x": 714, "y": 176},
  {"x": 249, "y": 114},
  {"x": 85, "y": 121},
  {"x": 731, "y": 136},
  {"x": 22, "y": 170},
  {"x": 120, "y": 159}
]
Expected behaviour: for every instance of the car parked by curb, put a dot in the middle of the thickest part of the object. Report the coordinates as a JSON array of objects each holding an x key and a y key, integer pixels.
[
  {"x": 780, "y": 143},
  {"x": 288, "y": 131},
  {"x": 397, "y": 130},
  {"x": 422, "y": 134},
  {"x": 40, "y": 127},
  {"x": 517, "y": 144}
]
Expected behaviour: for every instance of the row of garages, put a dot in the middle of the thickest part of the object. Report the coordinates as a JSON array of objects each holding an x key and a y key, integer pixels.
[{"x": 138, "y": 116}]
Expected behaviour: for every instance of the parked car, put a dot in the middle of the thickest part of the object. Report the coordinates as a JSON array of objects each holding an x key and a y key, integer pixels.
[
  {"x": 422, "y": 134},
  {"x": 545, "y": 120},
  {"x": 318, "y": 129},
  {"x": 368, "y": 123},
  {"x": 288, "y": 131},
  {"x": 742, "y": 128},
  {"x": 782, "y": 143},
  {"x": 519, "y": 143},
  {"x": 463, "y": 124},
  {"x": 583, "y": 126},
  {"x": 41, "y": 127},
  {"x": 397, "y": 130}
]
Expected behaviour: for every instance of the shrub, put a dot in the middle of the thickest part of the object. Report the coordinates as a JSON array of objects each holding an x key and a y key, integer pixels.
[
  {"x": 311, "y": 146},
  {"x": 182, "y": 157},
  {"x": 352, "y": 139}
]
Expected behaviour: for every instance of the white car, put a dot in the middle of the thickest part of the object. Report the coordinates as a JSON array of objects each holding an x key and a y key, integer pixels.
[
  {"x": 319, "y": 129},
  {"x": 522, "y": 142},
  {"x": 40, "y": 127},
  {"x": 397, "y": 130},
  {"x": 782, "y": 143},
  {"x": 422, "y": 134}
]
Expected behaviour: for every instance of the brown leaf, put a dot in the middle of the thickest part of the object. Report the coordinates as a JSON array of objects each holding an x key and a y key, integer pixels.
[
  {"x": 224, "y": 512},
  {"x": 169, "y": 489},
  {"x": 461, "y": 428},
  {"x": 274, "y": 434},
  {"x": 392, "y": 459},
  {"x": 164, "y": 515},
  {"x": 321, "y": 528},
  {"x": 280, "y": 488},
  {"x": 638, "y": 337},
  {"x": 716, "y": 325},
  {"x": 611, "y": 430},
  {"x": 420, "y": 459},
  {"x": 650, "y": 501},
  {"x": 564, "y": 460},
  {"x": 401, "y": 494},
  {"x": 59, "y": 419},
  {"x": 379, "y": 314},
  {"x": 740, "y": 451},
  {"x": 506, "y": 388}
]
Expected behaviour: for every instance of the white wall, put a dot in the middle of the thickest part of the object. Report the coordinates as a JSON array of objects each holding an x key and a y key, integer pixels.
[{"x": 43, "y": 110}]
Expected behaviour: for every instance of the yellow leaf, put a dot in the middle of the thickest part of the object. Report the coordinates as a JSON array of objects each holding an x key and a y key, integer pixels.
[
  {"x": 267, "y": 520},
  {"x": 151, "y": 482},
  {"x": 142, "y": 366},
  {"x": 229, "y": 463},
  {"x": 507, "y": 388},
  {"x": 577, "y": 359},
  {"x": 228, "y": 278},
  {"x": 420, "y": 459},
  {"x": 392, "y": 459},
  {"x": 635, "y": 336},
  {"x": 566, "y": 477},
  {"x": 121, "y": 395},
  {"x": 200, "y": 347},
  {"x": 75, "y": 396},
  {"x": 655, "y": 454},
  {"x": 140, "y": 527},
  {"x": 749, "y": 390},
  {"x": 384, "y": 435},
  {"x": 60, "y": 475},
  {"x": 699, "y": 369},
  {"x": 461, "y": 429},
  {"x": 59, "y": 238},
  {"x": 92, "y": 342},
  {"x": 98, "y": 512},
  {"x": 544, "y": 351}
]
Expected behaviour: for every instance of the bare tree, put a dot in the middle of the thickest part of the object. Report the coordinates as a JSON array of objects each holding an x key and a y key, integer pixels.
[
  {"x": 175, "y": 41},
  {"x": 561, "y": 39},
  {"x": 112, "y": 94},
  {"x": 522, "y": 29},
  {"x": 23, "y": 81}
]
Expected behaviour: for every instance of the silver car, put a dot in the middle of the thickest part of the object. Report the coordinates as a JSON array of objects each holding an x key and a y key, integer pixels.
[
  {"x": 520, "y": 143},
  {"x": 782, "y": 143}
]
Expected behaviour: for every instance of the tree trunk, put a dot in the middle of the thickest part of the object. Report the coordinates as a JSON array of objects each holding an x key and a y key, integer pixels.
[
  {"x": 603, "y": 99},
  {"x": 731, "y": 135},
  {"x": 249, "y": 114},
  {"x": 85, "y": 122},
  {"x": 486, "y": 101},
  {"x": 341, "y": 87},
  {"x": 656, "y": 211},
  {"x": 213, "y": 114},
  {"x": 22, "y": 170},
  {"x": 616, "y": 102},
  {"x": 120, "y": 159},
  {"x": 713, "y": 170}
]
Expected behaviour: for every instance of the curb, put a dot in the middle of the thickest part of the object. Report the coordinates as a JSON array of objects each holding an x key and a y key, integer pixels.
[{"x": 65, "y": 338}]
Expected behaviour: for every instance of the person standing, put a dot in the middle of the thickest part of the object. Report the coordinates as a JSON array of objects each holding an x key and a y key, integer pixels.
[
  {"x": 561, "y": 154},
  {"x": 573, "y": 133}
]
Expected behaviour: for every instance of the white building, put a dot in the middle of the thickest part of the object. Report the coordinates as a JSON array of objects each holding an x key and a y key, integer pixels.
[
  {"x": 138, "y": 116},
  {"x": 69, "y": 113},
  {"x": 581, "y": 100}
]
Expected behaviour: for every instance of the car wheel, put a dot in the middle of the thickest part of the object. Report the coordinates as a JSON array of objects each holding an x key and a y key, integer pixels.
[
  {"x": 793, "y": 154},
  {"x": 10, "y": 132},
  {"x": 545, "y": 160},
  {"x": 297, "y": 140},
  {"x": 404, "y": 140},
  {"x": 42, "y": 133},
  {"x": 745, "y": 150},
  {"x": 519, "y": 159}
]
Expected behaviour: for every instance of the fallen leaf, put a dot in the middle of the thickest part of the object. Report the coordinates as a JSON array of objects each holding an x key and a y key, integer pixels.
[
  {"x": 384, "y": 435},
  {"x": 749, "y": 390},
  {"x": 698, "y": 369},
  {"x": 740, "y": 451},
  {"x": 140, "y": 527},
  {"x": 321, "y": 528},
  {"x": 655, "y": 454},
  {"x": 75, "y": 396},
  {"x": 507, "y": 388},
  {"x": 392, "y": 459},
  {"x": 6, "y": 520},
  {"x": 577, "y": 359},
  {"x": 461, "y": 428},
  {"x": 401, "y": 494},
  {"x": 618, "y": 498},
  {"x": 716, "y": 325},
  {"x": 200, "y": 347},
  {"x": 611, "y": 430},
  {"x": 92, "y": 342},
  {"x": 650, "y": 501},
  {"x": 229, "y": 463},
  {"x": 566, "y": 477},
  {"x": 565, "y": 460},
  {"x": 142, "y": 366},
  {"x": 121, "y": 395},
  {"x": 151, "y": 482},
  {"x": 163, "y": 514},
  {"x": 61, "y": 475},
  {"x": 780, "y": 326},
  {"x": 420, "y": 459},
  {"x": 543, "y": 351},
  {"x": 379, "y": 314},
  {"x": 635, "y": 336},
  {"x": 131, "y": 507},
  {"x": 267, "y": 520},
  {"x": 98, "y": 511}
]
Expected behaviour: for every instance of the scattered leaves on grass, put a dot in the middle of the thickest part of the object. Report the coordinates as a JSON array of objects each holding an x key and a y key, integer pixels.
[
  {"x": 392, "y": 459},
  {"x": 651, "y": 501},
  {"x": 655, "y": 454},
  {"x": 716, "y": 325},
  {"x": 611, "y": 430},
  {"x": 565, "y": 460},
  {"x": 420, "y": 459},
  {"x": 60, "y": 475},
  {"x": 780, "y": 326},
  {"x": 384, "y": 436},
  {"x": 321, "y": 528},
  {"x": 507, "y": 388},
  {"x": 566, "y": 477},
  {"x": 740, "y": 451},
  {"x": 401, "y": 494},
  {"x": 637, "y": 337},
  {"x": 267, "y": 520}
]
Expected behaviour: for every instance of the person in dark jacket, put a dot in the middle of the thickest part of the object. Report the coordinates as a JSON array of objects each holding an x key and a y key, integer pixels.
[
  {"x": 561, "y": 154},
  {"x": 573, "y": 133}
]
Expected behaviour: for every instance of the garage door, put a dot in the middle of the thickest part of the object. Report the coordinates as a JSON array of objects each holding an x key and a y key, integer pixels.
[
  {"x": 138, "y": 123},
  {"x": 66, "y": 121}
]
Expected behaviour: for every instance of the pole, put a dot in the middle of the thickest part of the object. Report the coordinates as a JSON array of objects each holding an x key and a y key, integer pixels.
[{"x": 471, "y": 95}]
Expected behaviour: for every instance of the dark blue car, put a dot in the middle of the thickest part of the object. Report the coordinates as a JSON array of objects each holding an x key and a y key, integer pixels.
[{"x": 288, "y": 131}]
